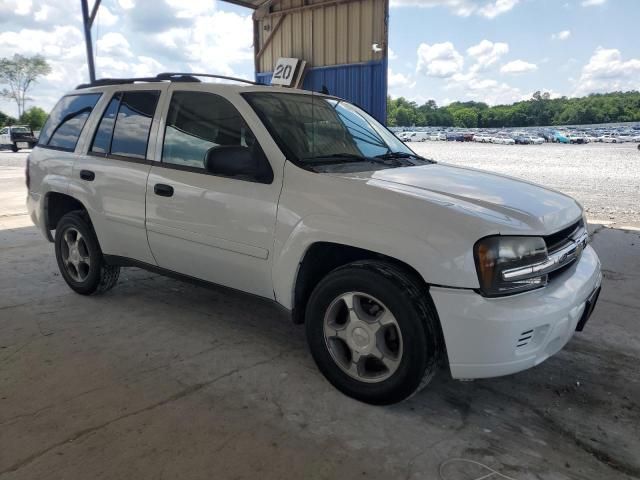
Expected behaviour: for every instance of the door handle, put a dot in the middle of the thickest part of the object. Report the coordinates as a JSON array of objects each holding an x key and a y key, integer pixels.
[
  {"x": 87, "y": 175},
  {"x": 163, "y": 190}
]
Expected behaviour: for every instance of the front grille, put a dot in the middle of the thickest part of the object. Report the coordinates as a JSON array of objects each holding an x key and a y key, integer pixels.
[
  {"x": 567, "y": 239},
  {"x": 559, "y": 239}
]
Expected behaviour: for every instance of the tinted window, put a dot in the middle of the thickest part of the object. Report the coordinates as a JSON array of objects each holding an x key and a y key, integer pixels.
[
  {"x": 133, "y": 123},
  {"x": 198, "y": 121},
  {"x": 102, "y": 140},
  {"x": 66, "y": 121}
]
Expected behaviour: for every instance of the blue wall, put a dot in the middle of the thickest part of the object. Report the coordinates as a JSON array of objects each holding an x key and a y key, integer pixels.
[{"x": 364, "y": 84}]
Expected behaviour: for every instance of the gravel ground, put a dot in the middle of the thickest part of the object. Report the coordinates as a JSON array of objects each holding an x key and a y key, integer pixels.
[{"x": 605, "y": 178}]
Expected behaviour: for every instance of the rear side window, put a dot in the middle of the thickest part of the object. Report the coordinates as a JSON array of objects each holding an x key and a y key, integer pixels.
[
  {"x": 126, "y": 123},
  {"x": 102, "y": 140},
  {"x": 66, "y": 121}
]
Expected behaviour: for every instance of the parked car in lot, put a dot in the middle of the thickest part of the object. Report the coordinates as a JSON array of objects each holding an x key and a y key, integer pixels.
[
  {"x": 535, "y": 140},
  {"x": 416, "y": 137},
  {"x": 560, "y": 137},
  {"x": 393, "y": 262},
  {"x": 17, "y": 137},
  {"x": 609, "y": 138},
  {"x": 577, "y": 138},
  {"x": 455, "y": 137},
  {"x": 521, "y": 138},
  {"x": 482, "y": 138},
  {"x": 503, "y": 139}
]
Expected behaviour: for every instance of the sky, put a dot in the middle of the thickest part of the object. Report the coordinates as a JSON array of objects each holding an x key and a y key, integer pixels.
[{"x": 495, "y": 51}]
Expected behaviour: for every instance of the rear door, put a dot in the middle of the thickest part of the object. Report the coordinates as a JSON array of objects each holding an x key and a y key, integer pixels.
[
  {"x": 208, "y": 226},
  {"x": 110, "y": 178}
]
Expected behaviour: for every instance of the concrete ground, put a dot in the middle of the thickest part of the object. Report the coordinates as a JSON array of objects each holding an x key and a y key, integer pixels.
[{"x": 159, "y": 379}]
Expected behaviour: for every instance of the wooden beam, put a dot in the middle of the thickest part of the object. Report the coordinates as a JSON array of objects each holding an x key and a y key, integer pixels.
[
  {"x": 313, "y": 6},
  {"x": 268, "y": 40}
]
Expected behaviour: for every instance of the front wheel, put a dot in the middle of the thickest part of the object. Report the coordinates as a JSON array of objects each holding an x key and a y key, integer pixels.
[
  {"x": 79, "y": 256},
  {"x": 373, "y": 332}
]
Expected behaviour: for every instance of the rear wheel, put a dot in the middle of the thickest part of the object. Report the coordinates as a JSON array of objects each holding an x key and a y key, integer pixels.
[
  {"x": 373, "y": 332},
  {"x": 14, "y": 148},
  {"x": 79, "y": 256}
]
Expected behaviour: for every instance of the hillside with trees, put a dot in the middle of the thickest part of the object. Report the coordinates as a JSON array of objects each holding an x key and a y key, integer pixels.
[{"x": 540, "y": 110}]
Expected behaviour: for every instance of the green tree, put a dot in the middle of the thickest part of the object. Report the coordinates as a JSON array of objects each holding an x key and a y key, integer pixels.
[
  {"x": 19, "y": 74},
  {"x": 34, "y": 117},
  {"x": 465, "y": 117},
  {"x": 6, "y": 119},
  {"x": 540, "y": 110}
]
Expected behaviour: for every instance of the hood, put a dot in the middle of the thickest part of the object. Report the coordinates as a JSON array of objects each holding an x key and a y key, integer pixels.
[{"x": 508, "y": 201}]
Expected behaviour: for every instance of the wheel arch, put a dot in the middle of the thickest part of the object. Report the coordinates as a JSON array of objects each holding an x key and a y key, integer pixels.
[
  {"x": 322, "y": 257},
  {"x": 56, "y": 205}
]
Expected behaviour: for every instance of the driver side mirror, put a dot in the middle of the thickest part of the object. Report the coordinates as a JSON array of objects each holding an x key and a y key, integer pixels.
[{"x": 238, "y": 161}]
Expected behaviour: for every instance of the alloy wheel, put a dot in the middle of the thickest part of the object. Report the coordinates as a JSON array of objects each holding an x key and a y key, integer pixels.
[
  {"x": 75, "y": 255},
  {"x": 363, "y": 337}
]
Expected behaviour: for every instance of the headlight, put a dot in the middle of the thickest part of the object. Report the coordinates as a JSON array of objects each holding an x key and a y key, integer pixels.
[{"x": 497, "y": 256}]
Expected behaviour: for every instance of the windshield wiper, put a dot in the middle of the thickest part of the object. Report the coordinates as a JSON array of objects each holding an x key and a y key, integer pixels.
[
  {"x": 400, "y": 155},
  {"x": 342, "y": 158}
]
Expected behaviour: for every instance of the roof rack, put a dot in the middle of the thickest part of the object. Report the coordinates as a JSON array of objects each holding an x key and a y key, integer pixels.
[{"x": 161, "y": 77}]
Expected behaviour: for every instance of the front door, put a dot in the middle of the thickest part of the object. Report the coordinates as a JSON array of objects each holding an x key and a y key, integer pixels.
[{"x": 202, "y": 224}]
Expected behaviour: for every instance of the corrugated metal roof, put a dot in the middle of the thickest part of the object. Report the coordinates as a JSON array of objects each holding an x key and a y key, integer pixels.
[{"x": 247, "y": 3}]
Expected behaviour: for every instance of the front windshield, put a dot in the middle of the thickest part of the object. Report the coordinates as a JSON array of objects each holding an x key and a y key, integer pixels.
[{"x": 313, "y": 127}]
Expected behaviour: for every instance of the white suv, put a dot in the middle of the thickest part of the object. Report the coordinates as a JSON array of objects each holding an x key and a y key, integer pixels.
[{"x": 394, "y": 263}]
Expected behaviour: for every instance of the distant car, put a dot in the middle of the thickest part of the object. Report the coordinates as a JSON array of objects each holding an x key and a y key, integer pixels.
[
  {"x": 636, "y": 139},
  {"x": 503, "y": 140},
  {"x": 535, "y": 140},
  {"x": 608, "y": 138},
  {"x": 560, "y": 137},
  {"x": 482, "y": 138},
  {"x": 416, "y": 137},
  {"x": 576, "y": 138},
  {"x": 17, "y": 137},
  {"x": 521, "y": 139}
]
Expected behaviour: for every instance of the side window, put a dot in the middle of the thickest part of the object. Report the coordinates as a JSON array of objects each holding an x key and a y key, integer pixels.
[
  {"x": 132, "y": 113},
  {"x": 4, "y": 131},
  {"x": 198, "y": 121},
  {"x": 66, "y": 121},
  {"x": 102, "y": 140}
]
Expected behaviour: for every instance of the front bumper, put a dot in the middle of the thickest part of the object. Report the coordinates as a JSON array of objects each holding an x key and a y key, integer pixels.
[{"x": 490, "y": 337}]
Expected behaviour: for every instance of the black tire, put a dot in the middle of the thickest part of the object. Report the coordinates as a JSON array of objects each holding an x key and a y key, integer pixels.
[
  {"x": 14, "y": 148},
  {"x": 100, "y": 277},
  {"x": 414, "y": 312}
]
